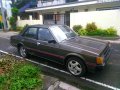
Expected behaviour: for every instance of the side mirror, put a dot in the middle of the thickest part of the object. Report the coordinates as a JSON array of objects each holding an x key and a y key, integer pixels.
[{"x": 52, "y": 41}]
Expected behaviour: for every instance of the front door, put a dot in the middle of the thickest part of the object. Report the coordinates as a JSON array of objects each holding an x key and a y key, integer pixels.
[{"x": 47, "y": 50}]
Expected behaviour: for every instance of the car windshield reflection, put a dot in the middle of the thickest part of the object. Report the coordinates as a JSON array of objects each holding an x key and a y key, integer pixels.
[{"x": 62, "y": 32}]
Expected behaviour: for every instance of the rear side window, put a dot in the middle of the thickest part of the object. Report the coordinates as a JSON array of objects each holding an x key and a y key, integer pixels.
[
  {"x": 31, "y": 33},
  {"x": 44, "y": 34}
]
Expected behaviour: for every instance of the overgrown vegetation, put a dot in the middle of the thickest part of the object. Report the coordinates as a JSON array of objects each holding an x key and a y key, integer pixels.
[
  {"x": 76, "y": 28},
  {"x": 13, "y": 19},
  {"x": 19, "y": 75},
  {"x": 91, "y": 29},
  {"x": 12, "y": 22}
]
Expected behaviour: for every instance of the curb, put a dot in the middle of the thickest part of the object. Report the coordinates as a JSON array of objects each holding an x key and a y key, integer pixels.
[
  {"x": 54, "y": 86},
  {"x": 59, "y": 85}
]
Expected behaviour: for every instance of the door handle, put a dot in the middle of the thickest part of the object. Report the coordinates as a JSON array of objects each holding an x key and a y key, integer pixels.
[{"x": 38, "y": 43}]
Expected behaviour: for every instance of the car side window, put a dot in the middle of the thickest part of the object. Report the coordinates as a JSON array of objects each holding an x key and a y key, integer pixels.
[
  {"x": 31, "y": 33},
  {"x": 44, "y": 34}
]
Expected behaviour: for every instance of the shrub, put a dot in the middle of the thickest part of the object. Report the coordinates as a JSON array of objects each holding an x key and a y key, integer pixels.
[
  {"x": 19, "y": 28},
  {"x": 25, "y": 76},
  {"x": 13, "y": 19},
  {"x": 92, "y": 30},
  {"x": 19, "y": 75},
  {"x": 0, "y": 24},
  {"x": 111, "y": 32},
  {"x": 98, "y": 32},
  {"x": 76, "y": 28},
  {"x": 91, "y": 27},
  {"x": 12, "y": 22},
  {"x": 2, "y": 79},
  {"x": 82, "y": 32}
]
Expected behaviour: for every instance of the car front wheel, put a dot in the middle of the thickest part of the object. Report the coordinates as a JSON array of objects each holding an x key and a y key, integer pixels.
[{"x": 76, "y": 67}]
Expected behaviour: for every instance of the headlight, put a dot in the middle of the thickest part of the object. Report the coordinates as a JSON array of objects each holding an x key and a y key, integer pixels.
[{"x": 99, "y": 60}]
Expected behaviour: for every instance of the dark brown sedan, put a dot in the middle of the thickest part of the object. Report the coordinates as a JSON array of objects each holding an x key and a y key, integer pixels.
[{"x": 60, "y": 44}]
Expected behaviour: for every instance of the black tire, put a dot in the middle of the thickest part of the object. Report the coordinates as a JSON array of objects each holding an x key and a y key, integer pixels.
[
  {"x": 20, "y": 52},
  {"x": 80, "y": 65}
]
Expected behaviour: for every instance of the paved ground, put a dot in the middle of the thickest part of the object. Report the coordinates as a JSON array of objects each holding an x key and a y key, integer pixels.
[{"x": 110, "y": 76}]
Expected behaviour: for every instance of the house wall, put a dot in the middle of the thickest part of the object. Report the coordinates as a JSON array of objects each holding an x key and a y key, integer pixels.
[
  {"x": 103, "y": 19},
  {"x": 30, "y": 21}
]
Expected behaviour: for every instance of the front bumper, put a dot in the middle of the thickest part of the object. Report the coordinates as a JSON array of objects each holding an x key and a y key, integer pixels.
[{"x": 106, "y": 54}]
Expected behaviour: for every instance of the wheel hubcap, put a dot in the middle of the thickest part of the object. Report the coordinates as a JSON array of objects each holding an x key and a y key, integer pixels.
[
  {"x": 74, "y": 67},
  {"x": 23, "y": 52}
]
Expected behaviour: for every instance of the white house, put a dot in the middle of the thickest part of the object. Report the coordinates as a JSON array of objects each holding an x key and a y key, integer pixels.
[{"x": 105, "y": 13}]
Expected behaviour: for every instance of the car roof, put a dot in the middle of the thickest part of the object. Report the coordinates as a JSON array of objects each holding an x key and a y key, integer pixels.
[{"x": 44, "y": 26}]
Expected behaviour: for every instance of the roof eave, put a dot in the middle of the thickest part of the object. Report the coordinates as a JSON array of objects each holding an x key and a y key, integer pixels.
[{"x": 60, "y": 6}]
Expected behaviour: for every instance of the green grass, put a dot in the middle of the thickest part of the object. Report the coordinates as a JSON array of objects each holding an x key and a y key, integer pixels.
[{"x": 19, "y": 75}]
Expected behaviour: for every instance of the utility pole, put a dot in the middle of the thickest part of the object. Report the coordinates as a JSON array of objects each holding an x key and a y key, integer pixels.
[{"x": 3, "y": 16}]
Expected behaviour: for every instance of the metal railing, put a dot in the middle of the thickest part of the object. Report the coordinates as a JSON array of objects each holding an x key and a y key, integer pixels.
[
  {"x": 58, "y": 2},
  {"x": 50, "y": 3}
]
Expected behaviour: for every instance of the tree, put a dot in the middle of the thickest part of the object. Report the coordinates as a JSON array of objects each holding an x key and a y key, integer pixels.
[
  {"x": 12, "y": 22},
  {"x": 13, "y": 19},
  {"x": 15, "y": 12}
]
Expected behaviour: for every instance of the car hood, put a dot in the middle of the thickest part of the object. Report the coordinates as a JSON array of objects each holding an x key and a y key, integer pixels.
[{"x": 87, "y": 44}]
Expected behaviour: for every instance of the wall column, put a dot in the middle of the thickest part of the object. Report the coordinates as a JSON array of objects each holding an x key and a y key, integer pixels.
[
  {"x": 18, "y": 17},
  {"x": 41, "y": 18},
  {"x": 30, "y": 17},
  {"x": 55, "y": 17}
]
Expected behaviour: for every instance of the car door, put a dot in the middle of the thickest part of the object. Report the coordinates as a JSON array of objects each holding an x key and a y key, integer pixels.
[
  {"x": 30, "y": 39},
  {"x": 48, "y": 49}
]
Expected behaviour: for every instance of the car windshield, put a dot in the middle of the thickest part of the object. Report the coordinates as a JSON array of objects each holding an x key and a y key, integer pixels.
[{"x": 62, "y": 32}]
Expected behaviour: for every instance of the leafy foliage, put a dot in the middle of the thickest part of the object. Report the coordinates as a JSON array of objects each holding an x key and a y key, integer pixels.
[
  {"x": 91, "y": 27},
  {"x": 111, "y": 31},
  {"x": 19, "y": 28},
  {"x": 15, "y": 12},
  {"x": 76, "y": 28},
  {"x": 20, "y": 76},
  {"x": 24, "y": 77},
  {"x": 92, "y": 30},
  {"x": 12, "y": 22},
  {"x": 82, "y": 32},
  {"x": 2, "y": 81},
  {"x": 13, "y": 19}
]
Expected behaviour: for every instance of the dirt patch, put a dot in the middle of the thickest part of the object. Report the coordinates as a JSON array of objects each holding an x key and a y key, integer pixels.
[{"x": 1, "y": 71}]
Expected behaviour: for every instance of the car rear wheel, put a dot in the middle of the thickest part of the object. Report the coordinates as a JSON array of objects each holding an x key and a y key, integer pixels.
[
  {"x": 22, "y": 51},
  {"x": 76, "y": 67}
]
